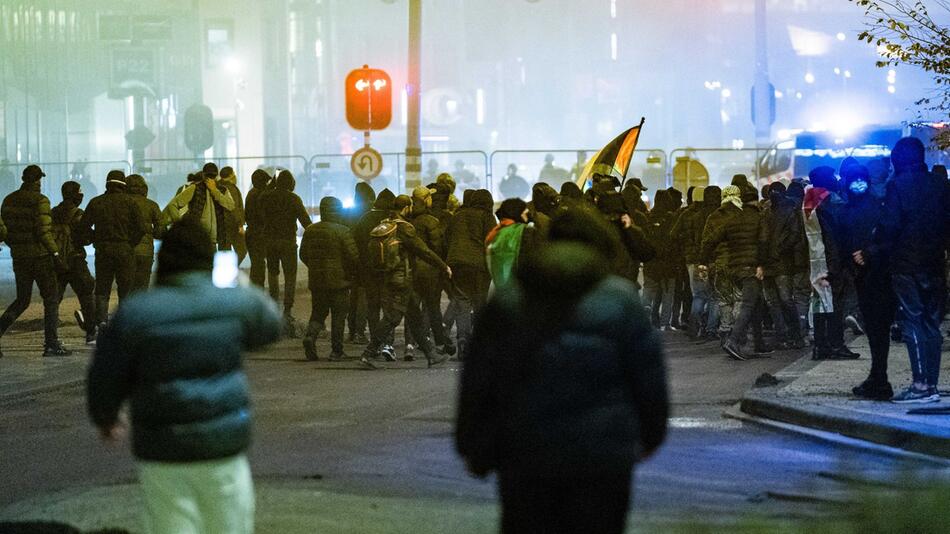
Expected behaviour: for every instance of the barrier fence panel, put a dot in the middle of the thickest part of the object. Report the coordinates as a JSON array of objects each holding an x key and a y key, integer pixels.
[
  {"x": 330, "y": 175},
  {"x": 165, "y": 176},
  {"x": 469, "y": 168},
  {"x": 713, "y": 166},
  {"x": 90, "y": 174},
  {"x": 555, "y": 167}
]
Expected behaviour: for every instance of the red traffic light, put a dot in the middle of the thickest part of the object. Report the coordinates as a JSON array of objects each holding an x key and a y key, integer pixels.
[{"x": 369, "y": 99}]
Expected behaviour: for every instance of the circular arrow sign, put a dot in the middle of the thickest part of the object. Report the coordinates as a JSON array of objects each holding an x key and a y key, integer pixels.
[{"x": 366, "y": 163}]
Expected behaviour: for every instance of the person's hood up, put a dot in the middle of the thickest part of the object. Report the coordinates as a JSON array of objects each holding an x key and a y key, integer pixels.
[
  {"x": 545, "y": 198},
  {"x": 137, "y": 185},
  {"x": 482, "y": 199},
  {"x": 741, "y": 181},
  {"x": 363, "y": 196},
  {"x": 260, "y": 178},
  {"x": 285, "y": 181},
  {"x": 633, "y": 198},
  {"x": 712, "y": 197},
  {"x": 909, "y": 155},
  {"x": 385, "y": 200},
  {"x": 230, "y": 179},
  {"x": 676, "y": 198},
  {"x": 662, "y": 202},
  {"x": 698, "y": 194},
  {"x": 570, "y": 190},
  {"x": 846, "y": 167},
  {"x": 562, "y": 271},
  {"x": 331, "y": 210},
  {"x": 823, "y": 177}
]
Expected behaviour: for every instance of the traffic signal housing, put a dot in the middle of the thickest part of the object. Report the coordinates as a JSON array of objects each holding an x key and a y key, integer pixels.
[{"x": 369, "y": 99}]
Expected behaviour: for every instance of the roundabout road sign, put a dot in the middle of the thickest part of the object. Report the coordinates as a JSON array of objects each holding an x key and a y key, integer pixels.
[{"x": 366, "y": 163}]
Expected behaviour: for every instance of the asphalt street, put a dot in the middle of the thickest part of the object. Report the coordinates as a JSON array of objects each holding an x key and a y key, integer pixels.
[{"x": 371, "y": 451}]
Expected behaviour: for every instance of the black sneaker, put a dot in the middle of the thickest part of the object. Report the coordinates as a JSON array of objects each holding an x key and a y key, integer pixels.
[
  {"x": 879, "y": 391},
  {"x": 360, "y": 339},
  {"x": 733, "y": 350},
  {"x": 364, "y": 361},
  {"x": 852, "y": 323},
  {"x": 436, "y": 359},
  {"x": 763, "y": 349},
  {"x": 310, "y": 348},
  {"x": 55, "y": 350},
  {"x": 843, "y": 353},
  {"x": 448, "y": 348},
  {"x": 337, "y": 356},
  {"x": 388, "y": 353},
  {"x": 91, "y": 338},
  {"x": 290, "y": 327},
  {"x": 410, "y": 354},
  {"x": 80, "y": 319},
  {"x": 912, "y": 395}
]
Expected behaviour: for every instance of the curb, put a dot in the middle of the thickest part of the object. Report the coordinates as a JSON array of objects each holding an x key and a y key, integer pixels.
[{"x": 910, "y": 436}]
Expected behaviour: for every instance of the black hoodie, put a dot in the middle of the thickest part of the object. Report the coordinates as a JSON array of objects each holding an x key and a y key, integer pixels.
[
  {"x": 282, "y": 209},
  {"x": 328, "y": 249},
  {"x": 913, "y": 231},
  {"x": 468, "y": 229}
]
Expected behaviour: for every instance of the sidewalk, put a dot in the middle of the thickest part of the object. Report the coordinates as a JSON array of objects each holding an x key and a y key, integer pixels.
[{"x": 817, "y": 395}]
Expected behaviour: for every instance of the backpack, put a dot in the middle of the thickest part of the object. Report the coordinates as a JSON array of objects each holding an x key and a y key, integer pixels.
[
  {"x": 385, "y": 247},
  {"x": 63, "y": 233}
]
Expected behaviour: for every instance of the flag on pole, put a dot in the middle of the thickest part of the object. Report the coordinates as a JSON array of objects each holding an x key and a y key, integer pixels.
[{"x": 614, "y": 159}]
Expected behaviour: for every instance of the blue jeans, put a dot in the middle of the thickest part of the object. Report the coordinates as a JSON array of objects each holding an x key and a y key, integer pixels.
[
  {"x": 920, "y": 297},
  {"x": 703, "y": 301}
]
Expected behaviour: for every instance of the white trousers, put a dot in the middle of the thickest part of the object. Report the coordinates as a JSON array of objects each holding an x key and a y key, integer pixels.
[{"x": 213, "y": 497}]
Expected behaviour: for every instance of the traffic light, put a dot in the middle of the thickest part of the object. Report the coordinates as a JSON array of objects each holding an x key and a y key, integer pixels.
[
  {"x": 369, "y": 99},
  {"x": 199, "y": 128}
]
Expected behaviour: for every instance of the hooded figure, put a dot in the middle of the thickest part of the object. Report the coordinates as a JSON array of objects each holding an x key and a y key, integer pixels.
[
  {"x": 254, "y": 235},
  {"x": 821, "y": 210},
  {"x": 329, "y": 252},
  {"x": 154, "y": 229},
  {"x": 283, "y": 210},
  {"x": 370, "y": 283},
  {"x": 552, "y": 424},
  {"x": 465, "y": 254},
  {"x": 363, "y": 199},
  {"x": 543, "y": 205},
  {"x": 234, "y": 219},
  {"x": 912, "y": 237},
  {"x": 509, "y": 243},
  {"x": 67, "y": 231}
]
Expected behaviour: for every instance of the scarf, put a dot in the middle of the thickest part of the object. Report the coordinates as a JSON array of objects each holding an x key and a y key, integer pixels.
[
  {"x": 731, "y": 194},
  {"x": 814, "y": 196},
  {"x": 504, "y": 223}
]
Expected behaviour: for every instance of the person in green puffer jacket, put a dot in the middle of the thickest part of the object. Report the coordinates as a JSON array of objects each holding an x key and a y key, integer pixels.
[
  {"x": 509, "y": 242},
  {"x": 154, "y": 228},
  {"x": 67, "y": 231}
]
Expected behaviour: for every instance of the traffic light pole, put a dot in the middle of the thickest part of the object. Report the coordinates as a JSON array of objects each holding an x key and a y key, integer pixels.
[{"x": 413, "y": 90}]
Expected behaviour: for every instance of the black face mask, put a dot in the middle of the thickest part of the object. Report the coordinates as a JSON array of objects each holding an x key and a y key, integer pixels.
[{"x": 76, "y": 199}]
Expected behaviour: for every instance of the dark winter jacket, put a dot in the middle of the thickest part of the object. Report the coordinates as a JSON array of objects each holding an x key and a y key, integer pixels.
[
  {"x": 859, "y": 217},
  {"x": 414, "y": 251},
  {"x": 67, "y": 230},
  {"x": 282, "y": 210},
  {"x": 371, "y": 219},
  {"x": 465, "y": 237},
  {"x": 684, "y": 231},
  {"x": 564, "y": 376},
  {"x": 253, "y": 211},
  {"x": 363, "y": 199},
  {"x": 659, "y": 234},
  {"x": 113, "y": 219},
  {"x": 150, "y": 212},
  {"x": 829, "y": 217},
  {"x": 175, "y": 353},
  {"x": 782, "y": 238},
  {"x": 26, "y": 213},
  {"x": 737, "y": 232},
  {"x": 432, "y": 234},
  {"x": 328, "y": 249},
  {"x": 915, "y": 225}
]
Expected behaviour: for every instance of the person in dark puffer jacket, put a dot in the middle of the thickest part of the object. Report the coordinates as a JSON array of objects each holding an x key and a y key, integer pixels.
[
  {"x": 330, "y": 254},
  {"x": 427, "y": 281},
  {"x": 174, "y": 353},
  {"x": 154, "y": 229},
  {"x": 465, "y": 244},
  {"x": 35, "y": 257},
  {"x": 564, "y": 389},
  {"x": 112, "y": 222},
  {"x": 737, "y": 230},
  {"x": 659, "y": 274},
  {"x": 781, "y": 235}
]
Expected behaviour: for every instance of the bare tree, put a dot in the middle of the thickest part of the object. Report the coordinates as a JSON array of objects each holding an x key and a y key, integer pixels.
[{"x": 905, "y": 33}]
